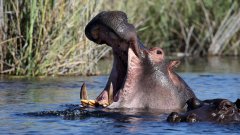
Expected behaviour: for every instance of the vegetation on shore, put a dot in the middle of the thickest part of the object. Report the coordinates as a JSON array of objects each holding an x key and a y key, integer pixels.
[{"x": 47, "y": 37}]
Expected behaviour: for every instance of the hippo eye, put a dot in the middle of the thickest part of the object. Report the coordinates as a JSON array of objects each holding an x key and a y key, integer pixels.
[{"x": 159, "y": 52}]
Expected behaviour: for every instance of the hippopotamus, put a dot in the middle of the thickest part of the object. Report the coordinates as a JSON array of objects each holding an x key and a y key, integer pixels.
[
  {"x": 140, "y": 77},
  {"x": 143, "y": 78},
  {"x": 214, "y": 110}
]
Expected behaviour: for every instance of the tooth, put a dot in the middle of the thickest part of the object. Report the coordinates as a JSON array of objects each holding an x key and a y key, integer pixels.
[
  {"x": 110, "y": 94},
  {"x": 83, "y": 92},
  {"x": 135, "y": 47}
]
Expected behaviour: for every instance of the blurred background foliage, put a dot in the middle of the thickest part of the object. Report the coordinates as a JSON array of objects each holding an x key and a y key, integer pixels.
[{"x": 47, "y": 37}]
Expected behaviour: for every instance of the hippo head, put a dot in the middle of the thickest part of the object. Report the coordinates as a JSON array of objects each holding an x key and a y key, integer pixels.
[{"x": 140, "y": 77}]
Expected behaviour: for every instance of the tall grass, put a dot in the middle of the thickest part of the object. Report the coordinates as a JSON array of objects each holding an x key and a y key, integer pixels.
[
  {"x": 193, "y": 27},
  {"x": 47, "y": 37}
]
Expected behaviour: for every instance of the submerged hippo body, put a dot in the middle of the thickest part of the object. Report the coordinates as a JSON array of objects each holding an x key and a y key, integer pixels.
[
  {"x": 214, "y": 110},
  {"x": 140, "y": 77}
]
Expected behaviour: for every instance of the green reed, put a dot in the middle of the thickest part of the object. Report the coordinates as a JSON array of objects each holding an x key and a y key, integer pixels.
[
  {"x": 47, "y": 37},
  {"x": 193, "y": 27}
]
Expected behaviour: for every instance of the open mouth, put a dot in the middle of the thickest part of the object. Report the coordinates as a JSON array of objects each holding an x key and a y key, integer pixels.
[
  {"x": 125, "y": 62},
  {"x": 123, "y": 68},
  {"x": 113, "y": 29}
]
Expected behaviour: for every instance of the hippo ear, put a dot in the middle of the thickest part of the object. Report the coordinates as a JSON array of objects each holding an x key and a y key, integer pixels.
[{"x": 174, "y": 64}]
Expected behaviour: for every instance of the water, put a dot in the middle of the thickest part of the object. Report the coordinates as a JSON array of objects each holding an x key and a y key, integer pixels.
[{"x": 209, "y": 78}]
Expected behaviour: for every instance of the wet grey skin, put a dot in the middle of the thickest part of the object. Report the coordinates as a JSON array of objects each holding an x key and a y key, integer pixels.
[
  {"x": 214, "y": 110},
  {"x": 140, "y": 77}
]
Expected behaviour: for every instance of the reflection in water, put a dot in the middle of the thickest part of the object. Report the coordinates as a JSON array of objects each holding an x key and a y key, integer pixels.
[{"x": 210, "y": 78}]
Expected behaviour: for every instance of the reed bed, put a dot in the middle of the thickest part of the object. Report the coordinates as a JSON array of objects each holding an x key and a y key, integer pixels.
[
  {"x": 47, "y": 37},
  {"x": 196, "y": 28}
]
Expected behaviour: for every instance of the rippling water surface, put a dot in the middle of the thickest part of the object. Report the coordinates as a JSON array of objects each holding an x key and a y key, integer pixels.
[{"x": 209, "y": 78}]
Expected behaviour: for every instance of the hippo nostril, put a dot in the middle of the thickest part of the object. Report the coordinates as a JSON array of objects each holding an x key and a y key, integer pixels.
[{"x": 159, "y": 52}]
